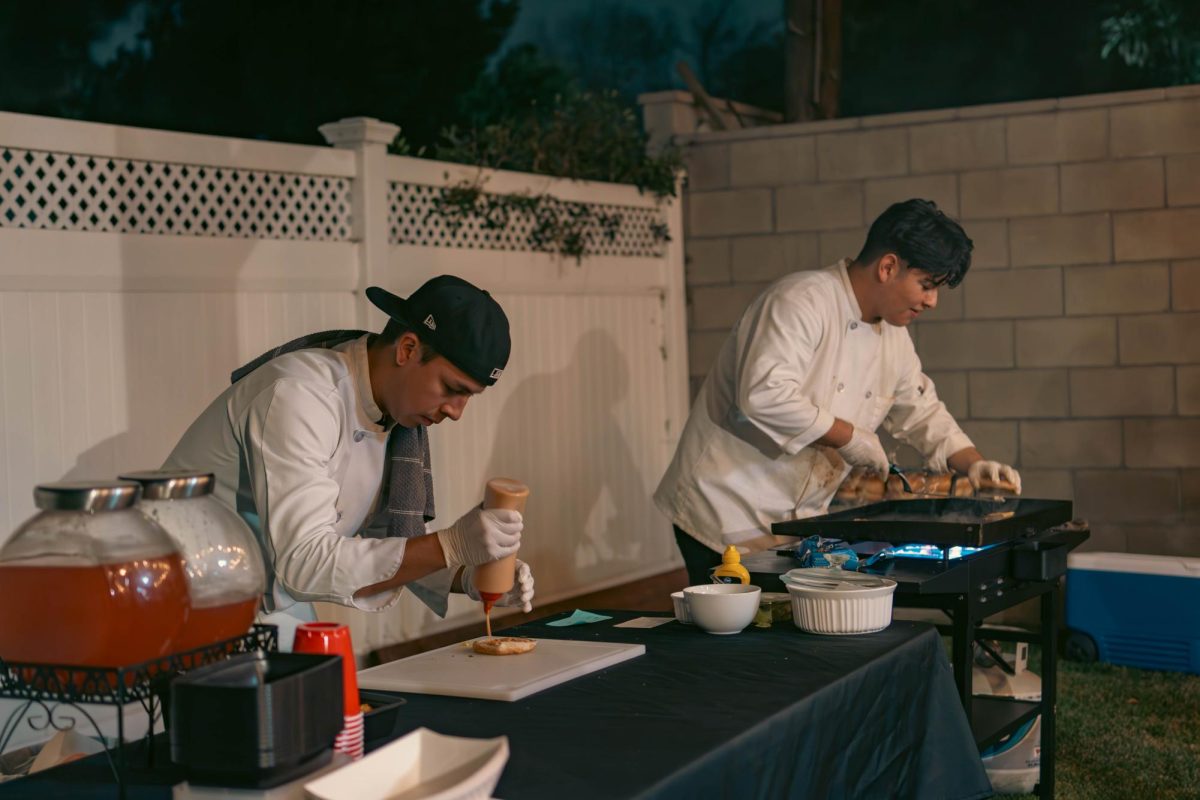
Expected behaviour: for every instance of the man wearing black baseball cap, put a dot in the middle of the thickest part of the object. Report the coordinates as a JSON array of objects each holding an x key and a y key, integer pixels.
[{"x": 321, "y": 446}]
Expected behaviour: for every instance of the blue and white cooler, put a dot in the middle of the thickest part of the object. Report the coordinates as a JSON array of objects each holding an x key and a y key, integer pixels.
[{"x": 1134, "y": 610}]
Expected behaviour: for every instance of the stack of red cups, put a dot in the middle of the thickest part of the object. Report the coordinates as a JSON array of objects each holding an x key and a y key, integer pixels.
[{"x": 332, "y": 638}]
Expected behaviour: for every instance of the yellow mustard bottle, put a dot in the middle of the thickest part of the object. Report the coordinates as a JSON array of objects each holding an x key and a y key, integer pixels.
[{"x": 731, "y": 569}]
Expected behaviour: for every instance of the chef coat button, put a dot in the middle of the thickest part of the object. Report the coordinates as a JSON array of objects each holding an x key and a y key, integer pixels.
[
  {"x": 868, "y": 395},
  {"x": 358, "y": 435},
  {"x": 853, "y": 325},
  {"x": 841, "y": 386}
]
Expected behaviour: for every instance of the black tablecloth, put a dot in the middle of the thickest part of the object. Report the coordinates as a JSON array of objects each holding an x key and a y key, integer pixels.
[{"x": 768, "y": 713}]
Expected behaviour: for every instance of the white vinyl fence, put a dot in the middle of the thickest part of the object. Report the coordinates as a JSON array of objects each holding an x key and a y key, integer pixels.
[{"x": 139, "y": 267}]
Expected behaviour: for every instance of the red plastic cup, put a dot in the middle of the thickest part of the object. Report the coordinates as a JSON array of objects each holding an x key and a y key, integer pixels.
[{"x": 332, "y": 639}]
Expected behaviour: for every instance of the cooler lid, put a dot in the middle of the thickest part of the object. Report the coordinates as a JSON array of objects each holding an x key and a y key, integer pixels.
[{"x": 1141, "y": 563}]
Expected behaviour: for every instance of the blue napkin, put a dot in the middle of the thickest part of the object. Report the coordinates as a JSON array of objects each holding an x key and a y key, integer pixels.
[{"x": 578, "y": 617}]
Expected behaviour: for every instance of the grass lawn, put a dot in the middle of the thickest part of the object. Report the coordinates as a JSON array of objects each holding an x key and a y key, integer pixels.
[{"x": 1126, "y": 733}]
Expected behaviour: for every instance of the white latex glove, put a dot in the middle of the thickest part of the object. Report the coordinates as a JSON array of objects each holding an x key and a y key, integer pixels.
[
  {"x": 482, "y": 535},
  {"x": 993, "y": 471},
  {"x": 521, "y": 594},
  {"x": 864, "y": 450}
]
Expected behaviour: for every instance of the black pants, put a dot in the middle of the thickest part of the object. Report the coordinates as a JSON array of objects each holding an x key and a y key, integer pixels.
[{"x": 697, "y": 558}]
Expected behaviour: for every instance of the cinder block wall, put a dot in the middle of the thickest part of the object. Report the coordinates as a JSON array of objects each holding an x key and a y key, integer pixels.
[{"x": 1072, "y": 349}]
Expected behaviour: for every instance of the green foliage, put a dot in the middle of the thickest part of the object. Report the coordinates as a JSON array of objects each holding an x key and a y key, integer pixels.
[
  {"x": 1161, "y": 37},
  {"x": 572, "y": 133},
  {"x": 557, "y": 226},
  {"x": 529, "y": 116}
]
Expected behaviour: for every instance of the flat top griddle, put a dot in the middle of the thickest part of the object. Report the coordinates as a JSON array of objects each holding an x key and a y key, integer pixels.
[{"x": 941, "y": 521}]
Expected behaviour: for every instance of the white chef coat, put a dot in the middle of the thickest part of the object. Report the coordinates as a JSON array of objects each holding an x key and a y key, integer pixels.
[
  {"x": 298, "y": 451},
  {"x": 799, "y": 357}
]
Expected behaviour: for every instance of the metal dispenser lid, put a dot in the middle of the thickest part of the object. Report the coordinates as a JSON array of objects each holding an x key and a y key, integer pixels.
[
  {"x": 86, "y": 495},
  {"x": 172, "y": 484}
]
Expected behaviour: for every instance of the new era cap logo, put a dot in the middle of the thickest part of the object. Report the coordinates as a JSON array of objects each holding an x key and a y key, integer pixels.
[
  {"x": 496, "y": 373},
  {"x": 429, "y": 323}
]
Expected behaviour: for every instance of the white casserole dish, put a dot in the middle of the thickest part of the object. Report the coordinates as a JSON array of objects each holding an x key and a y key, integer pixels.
[{"x": 835, "y": 601}]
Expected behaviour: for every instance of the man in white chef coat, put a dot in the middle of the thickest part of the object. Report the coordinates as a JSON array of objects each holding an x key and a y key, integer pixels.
[
  {"x": 321, "y": 446},
  {"x": 814, "y": 366}
]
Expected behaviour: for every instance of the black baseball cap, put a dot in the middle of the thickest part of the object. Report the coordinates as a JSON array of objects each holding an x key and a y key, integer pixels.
[{"x": 458, "y": 319}]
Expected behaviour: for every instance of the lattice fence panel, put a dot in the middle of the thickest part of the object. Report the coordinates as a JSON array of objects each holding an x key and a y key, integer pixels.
[
  {"x": 412, "y": 219},
  {"x": 63, "y": 191}
]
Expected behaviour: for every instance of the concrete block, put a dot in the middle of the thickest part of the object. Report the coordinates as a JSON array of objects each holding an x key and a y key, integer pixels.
[
  {"x": 908, "y": 118},
  {"x": 996, "y": 440},
  {"x": 951, "y": 389},
  {"x": 1078, "y": 239},
  {"x": 1185, "y": 286},
  {"x": 1190, "y": 493},
  {"x": 707, "y": 166},
  {"x": 718, "y": 308},
  {"x": 1187, "y": 90},
  {"x": 1165, "y": 442},
  {"x": 1112, "y": 98},
  {"x": 990, "y": 238},
  {"x": 1148, "y": 235},
  {"x": 1071, "y": 443},
  {"x": 703, "y": 347},
  {"x": 772, "y": 162},
  {"x": 966, "y": 345},
  {"x": 1018, "y": 393},
  {"x": 1013, "y": 192},
  {"x": 1059, "y": 137},
  {"x": 1155, "y": 129},
  {"x": 1067, "y": 342},
  {"x": 819, "y": 207},
  {"x": 1136, "y": 183},
  {"x": 1163, "y": 538},
  {"x": 951, "y": 146},
  {"x": 866, "y": 154},
  {"x": 1051, "y": 484},
  {"x": 1123, "y": 392},
  {"x": 1187, "y": 381},
  {"x": 1106, "y": 537},
  {"x": 1160, "y": 339},
  {"x": 1014, "y": 293},
  {"x": 765, "y": 258},
  {"x": 836, "y": 245},
  {"x": 1183, "y": 180},
  {"x": 1117, "y": 288},
  {"x": 1007, "y": 109},
  {"x": 941, "y": 189},
  {"x": 706, "y": 261},
  {"x": 724, "y": 213},
  {"x": 1116, "y": 495}
]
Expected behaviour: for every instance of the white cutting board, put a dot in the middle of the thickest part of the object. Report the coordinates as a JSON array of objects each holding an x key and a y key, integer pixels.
[{"x": 458, "y": 671}]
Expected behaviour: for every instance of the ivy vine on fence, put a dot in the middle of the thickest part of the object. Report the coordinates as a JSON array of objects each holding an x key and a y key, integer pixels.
[{"x": 558, "y": 226}]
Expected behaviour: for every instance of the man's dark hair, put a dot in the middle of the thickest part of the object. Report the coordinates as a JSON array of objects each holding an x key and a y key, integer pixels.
[
  {"x": 916, "y": 231},
  {"x": 394, "y": 329}
]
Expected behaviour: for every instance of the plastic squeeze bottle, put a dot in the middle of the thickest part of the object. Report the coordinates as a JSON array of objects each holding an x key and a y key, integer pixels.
[
  {"x": 731, "y": 569},
  {"x": 495, "y": 578}
]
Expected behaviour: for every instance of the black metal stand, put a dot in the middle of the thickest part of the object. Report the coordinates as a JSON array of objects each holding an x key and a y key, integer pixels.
[
  {"x": 60, "y": 691},
  {"x": 993, "y": 718}
]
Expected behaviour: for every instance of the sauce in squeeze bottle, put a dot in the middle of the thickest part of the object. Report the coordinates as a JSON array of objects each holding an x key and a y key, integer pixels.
[{"x": 495, "y": 578}]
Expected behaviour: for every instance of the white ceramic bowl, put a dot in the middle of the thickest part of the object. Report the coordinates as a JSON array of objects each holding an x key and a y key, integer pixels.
[
  {"x": 423, "y": 764},
  {"x": 839, "y": 602},
  {"x": 681, "y": 608},
  {"x": 722, "y": 608}
]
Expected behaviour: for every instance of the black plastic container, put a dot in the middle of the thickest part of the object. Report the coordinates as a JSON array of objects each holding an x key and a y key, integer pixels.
[
  {"x": 380, "y": 721},
  {"x": 256, "y": 720},
  {"x": 1039, "y": 561}
]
